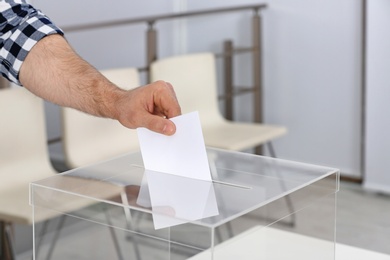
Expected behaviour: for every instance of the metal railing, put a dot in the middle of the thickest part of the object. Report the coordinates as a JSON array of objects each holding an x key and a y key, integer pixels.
[{"x": 228, "y": 54}]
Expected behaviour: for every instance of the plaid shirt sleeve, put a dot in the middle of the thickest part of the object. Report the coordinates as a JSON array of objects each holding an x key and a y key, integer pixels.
[{"x": 21, "y": 27}]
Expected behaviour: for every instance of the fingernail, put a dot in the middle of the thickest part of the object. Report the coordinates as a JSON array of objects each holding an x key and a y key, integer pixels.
[{"x": 168, "y": 129}]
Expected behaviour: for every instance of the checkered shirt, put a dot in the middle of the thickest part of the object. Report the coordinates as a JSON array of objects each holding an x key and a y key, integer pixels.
[{"x": 21, "y": 27}]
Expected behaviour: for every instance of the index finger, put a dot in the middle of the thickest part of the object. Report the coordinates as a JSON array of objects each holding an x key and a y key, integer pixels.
[{"x": 167, "y": 102}]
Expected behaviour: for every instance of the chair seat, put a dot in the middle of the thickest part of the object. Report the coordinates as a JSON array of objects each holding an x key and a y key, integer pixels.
[
  {"x": 14, "y": 198},
  {"x": 60, "y": 203},
  {"x": 240, "y": 136},
  {"x": 14, "y": 192}
]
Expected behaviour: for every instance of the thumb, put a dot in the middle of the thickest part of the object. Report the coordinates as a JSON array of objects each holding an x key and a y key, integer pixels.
[{"x": 159, "y": 124}]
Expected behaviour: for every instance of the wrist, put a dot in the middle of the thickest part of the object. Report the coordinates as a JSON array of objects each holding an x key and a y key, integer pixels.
[{"x": 111, "y": 97}]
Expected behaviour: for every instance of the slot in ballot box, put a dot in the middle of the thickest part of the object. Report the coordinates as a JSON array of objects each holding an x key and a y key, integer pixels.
[{"x": 255, "y": 208}]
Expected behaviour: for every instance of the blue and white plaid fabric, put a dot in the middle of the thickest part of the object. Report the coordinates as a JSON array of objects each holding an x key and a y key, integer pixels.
[{"x": 21, "y": 27}]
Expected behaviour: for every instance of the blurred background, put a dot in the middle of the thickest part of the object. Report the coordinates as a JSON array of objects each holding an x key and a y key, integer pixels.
[
  {"x": 325, "y": 76},
  {"x": 312, "y": 55}
]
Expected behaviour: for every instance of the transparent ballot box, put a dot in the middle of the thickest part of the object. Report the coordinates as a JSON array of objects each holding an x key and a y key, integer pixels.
[{"x": 255, "y": 208}]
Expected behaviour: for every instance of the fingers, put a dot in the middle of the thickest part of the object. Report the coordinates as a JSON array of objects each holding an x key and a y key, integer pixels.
[
  {"x": 159, "y": 124},
  {"x": 166, "y": 106},
  {"x": 174, "y": 108},
  {"x": 150, "y": 106},
  {"x": 165, "y": 99}
]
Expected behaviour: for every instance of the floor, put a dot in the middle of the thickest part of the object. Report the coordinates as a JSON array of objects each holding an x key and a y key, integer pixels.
[{"x": 363, "y": 220}]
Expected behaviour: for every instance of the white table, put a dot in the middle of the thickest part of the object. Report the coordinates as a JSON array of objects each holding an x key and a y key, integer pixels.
[{"x": 237, "y": 247}]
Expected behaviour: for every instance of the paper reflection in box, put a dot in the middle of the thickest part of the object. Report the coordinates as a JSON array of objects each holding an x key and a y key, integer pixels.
[{"x": 176, "y": 200}]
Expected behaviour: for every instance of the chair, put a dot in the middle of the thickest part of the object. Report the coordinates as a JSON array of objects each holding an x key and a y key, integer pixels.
[
  {"x": 87, "y": 139},
  {"x": 23, "y": 158},
  {"x": 193, "y": 77}
]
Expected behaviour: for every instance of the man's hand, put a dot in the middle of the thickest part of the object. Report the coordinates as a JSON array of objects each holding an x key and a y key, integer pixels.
[
  {"x": 53, "y": 71},
  {"x": 149, "y": 106}
]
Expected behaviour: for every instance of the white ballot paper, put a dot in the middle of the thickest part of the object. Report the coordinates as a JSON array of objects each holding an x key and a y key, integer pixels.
[
  {"x": 177, "y": 181},
  {"x": 183, "y": 154}
]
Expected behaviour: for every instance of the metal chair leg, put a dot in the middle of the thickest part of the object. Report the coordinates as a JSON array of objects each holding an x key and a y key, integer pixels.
[
  {"x": 271, "y": 150},
  {"x": 56, "y": 236},
  {"x": 2, "y": 240},
  {"x": 41, "y": 235},
  {"x": 7, "y": 249},
  {"x": 113, "y": 235},
  {"x": 44, "y": 228},
  {"x": 129, "y": 225},
  {"x": 289, "y": 202}
]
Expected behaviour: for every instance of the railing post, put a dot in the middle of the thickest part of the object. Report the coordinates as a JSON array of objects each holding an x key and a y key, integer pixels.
[
  {"x": 151, "y": 47},
  {"x": 363, "y": 97},
  {"x": 228, "y": 73},
  {"x": 257, "y": 71}
]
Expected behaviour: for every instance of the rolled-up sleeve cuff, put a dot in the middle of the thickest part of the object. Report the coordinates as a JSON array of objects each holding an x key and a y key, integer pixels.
[{"x": 21, "y": 41}]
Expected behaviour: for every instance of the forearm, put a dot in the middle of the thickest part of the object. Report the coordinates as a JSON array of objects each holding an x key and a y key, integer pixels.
[{"x": 53, "y": 71}]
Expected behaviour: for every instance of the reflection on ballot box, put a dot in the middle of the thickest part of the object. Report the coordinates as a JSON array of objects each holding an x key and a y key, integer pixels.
[{"x": 176, "y": 200}]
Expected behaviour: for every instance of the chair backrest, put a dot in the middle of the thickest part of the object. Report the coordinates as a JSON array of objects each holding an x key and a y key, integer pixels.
[
  {"x": 88, "y": 139},
  {"x": 193, "y": 77},
  {"x": 23, "y": 142}
]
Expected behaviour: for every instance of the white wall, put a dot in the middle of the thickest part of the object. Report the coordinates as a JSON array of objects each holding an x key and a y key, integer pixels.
[
  {"x": 105, "y": 48},
  {"x": 311, "y": 63},
  {"x": 378, "y": 96},
  {"x": 311, "y": 69}
]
